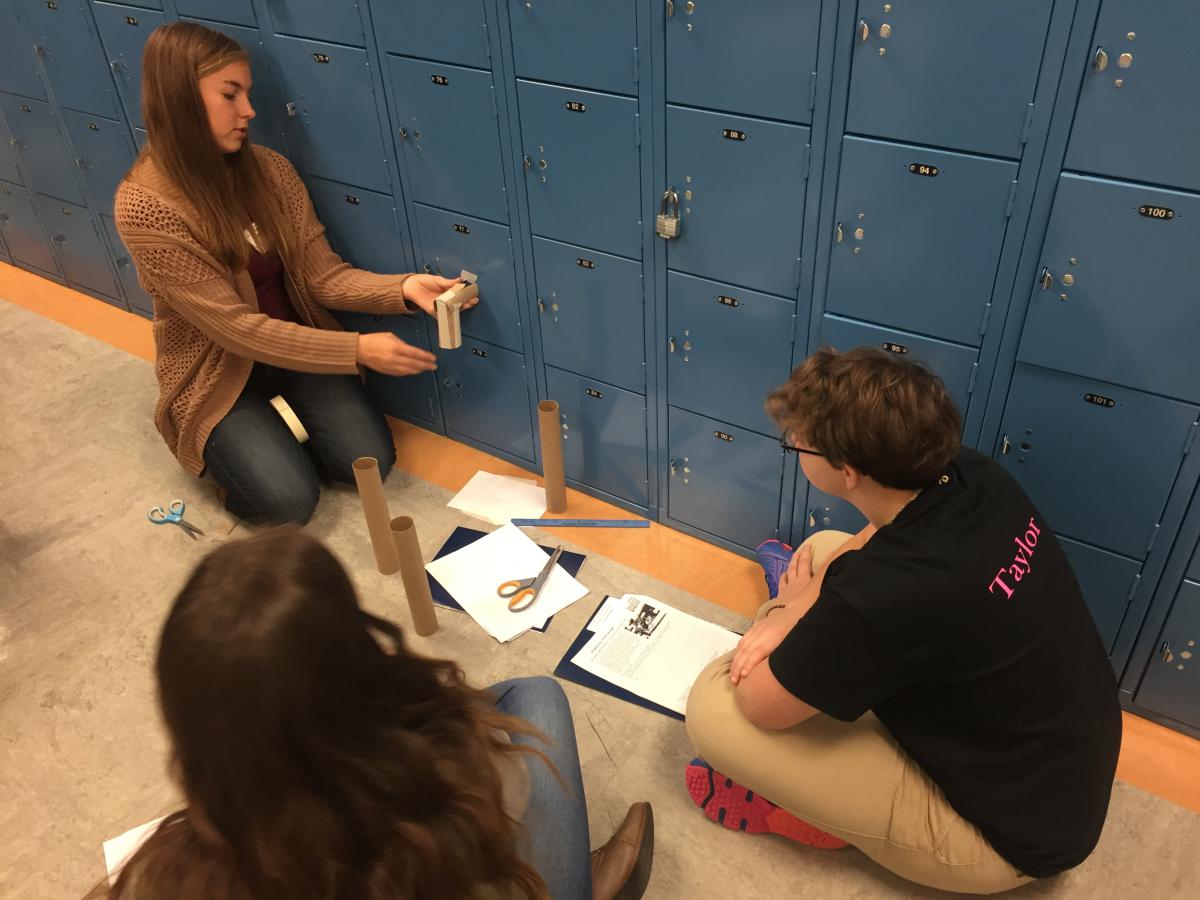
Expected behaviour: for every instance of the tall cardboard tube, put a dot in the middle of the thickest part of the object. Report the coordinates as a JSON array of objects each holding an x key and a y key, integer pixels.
[
  {"x": 370, "y": 491},
  {"x": 552, "y": 457},
  {"x": 412, "y": 572}
]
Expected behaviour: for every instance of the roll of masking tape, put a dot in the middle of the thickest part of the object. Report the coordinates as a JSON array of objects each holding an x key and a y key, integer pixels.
[{"x": 290, "y": 419}]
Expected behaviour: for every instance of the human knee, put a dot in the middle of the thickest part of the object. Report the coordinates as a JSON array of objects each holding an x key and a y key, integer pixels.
[
  {"x": 710, "y": 703},
  {"x": 293, "y": 506}
]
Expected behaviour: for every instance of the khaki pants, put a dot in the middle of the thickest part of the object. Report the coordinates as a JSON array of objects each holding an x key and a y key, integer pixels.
[{"x": 851, "y": 780}]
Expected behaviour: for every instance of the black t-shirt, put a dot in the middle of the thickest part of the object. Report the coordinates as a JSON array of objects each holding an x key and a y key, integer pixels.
[{"x": 961, "y": 625}]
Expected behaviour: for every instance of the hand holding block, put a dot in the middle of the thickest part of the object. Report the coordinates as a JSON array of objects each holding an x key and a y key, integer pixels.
[{"x": 449, "y": 307}]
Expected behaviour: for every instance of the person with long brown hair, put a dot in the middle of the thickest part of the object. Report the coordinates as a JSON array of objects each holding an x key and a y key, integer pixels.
[
  {"x": 321, "y": 758},
  {"x": 226, "y": 242}
]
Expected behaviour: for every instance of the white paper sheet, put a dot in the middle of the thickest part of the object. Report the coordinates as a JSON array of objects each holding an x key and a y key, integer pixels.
[
  {"x": 118, "y": 850},
  {"x": 499, "y": 498},
  {"x": 652, "y": 649},
  {"x": 472, "y": 574}
]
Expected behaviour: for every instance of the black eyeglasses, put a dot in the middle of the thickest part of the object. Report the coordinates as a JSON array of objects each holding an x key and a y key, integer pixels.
[{"x": 788, "y": 448}]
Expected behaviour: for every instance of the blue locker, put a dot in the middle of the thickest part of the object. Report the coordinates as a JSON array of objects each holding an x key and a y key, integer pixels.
[
  {"x": 326, "y": 20},
  {"x": 917, "y": 237},
  {"x": 235, "y": 12},
  {"x": 603, "y": 434},
  {"x": 124, "y": 30},
  {"x": 948, "y": 73},
  {"x": 83, "y": 256},
  {"x": 953, "y": 363},
  {"x": 146, "y": 4},
  {"x": 1171, "y": 686},
  {"x": 336, "y": 127},
  {"x": 450, "y": 243},
  {"x": 722, "y": 479},
  {"x": 73, "y": 56},
  {"x": 759, "y": 59},
  {"x": 18, "y": 63},
  {"x": 8, "y": 157},
  {"x": 823, "y": 512},
  {"x": 1098, "y": 460},
  {"x": 104, "y": 153},
  {"x": 1128, "y": 120},
  {"x": 139, "y": 136},
  {"x": 269, "y": 122},
  {"x": 139, "y": 301},
  {"x": 409, "y": 397},
  {"x": 1107, "y": 581},
  {"x": 22, "y": 230},
  {"x": 727, "y": 349},
  {"x": 485, "y": 398},
  {"x": 741, "y": 184},
  {"x": 360, "y": 225},
  {"x": 4, "y": 254},
  {"x": 454, "y": 31},
  {"x": 591, "y": 45},
  {"x": 1114, "y": 298},
  {"x": 36, "y": 138},
  {"x": 592, "y": 313},
  {"x": 581, "y": 167},
  {"x": 449, "y": 137}
]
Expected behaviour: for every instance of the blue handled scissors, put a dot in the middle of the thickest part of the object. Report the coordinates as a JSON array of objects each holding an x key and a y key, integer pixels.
[
  {"x": 173, "y": 515},
  {"x": 522, "y": 593}
]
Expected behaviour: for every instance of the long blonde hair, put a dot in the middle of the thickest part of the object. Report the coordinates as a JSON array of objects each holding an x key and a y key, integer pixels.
[{"x": 230, "y": 191}]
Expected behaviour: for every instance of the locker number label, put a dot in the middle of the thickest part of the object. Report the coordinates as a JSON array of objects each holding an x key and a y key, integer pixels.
[
  {"x": 727, "y": 438},
  {"x": 320, "y": 57},
  {"x": 893, "y": 348},
  {"x": 728, "y": 301},
  {"x": 575, "y": 106},
  {"x": 1100, "y": 400},
  {"x": 439, "y": 79},
  {"x": 1156, "y": 212},
  {"x": 482, "y": 354},
  {"x": 130, "y": 20},
  {"x": 733, "y": 134},
  {"x": 92, "y": 126},
  {"x": 25, "y": 108},
  {"x": 50, "y": 4},
  {"x": 594, "y": 393},
  {"x": 584, "y": 263},
  {"x": 461, "y": 229},
  {"x": 923, "y": 169}
]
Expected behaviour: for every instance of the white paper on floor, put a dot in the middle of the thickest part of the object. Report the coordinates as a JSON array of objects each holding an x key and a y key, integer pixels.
[
  {"x": 499, "y": 498},
  {"x": 118, "y": 850},
  {"x": 472, "y": 574}
]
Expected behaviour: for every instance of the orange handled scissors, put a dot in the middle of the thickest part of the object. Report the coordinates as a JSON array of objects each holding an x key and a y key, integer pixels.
[{"x": 522, "y": 593}]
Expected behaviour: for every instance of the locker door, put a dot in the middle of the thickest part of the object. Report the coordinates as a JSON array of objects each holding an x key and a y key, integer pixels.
[
  {"x": 124, "y": 30},
  {"x": 1141, "y": 59},
  {"x": 4, "y": 254},
  {"x": 336, "y": 128},
  {"x": 592, "y": 314},
  {"x": 1107, "y": 582},
  {"x": 741, "y": 186},
  {"x": 603, "y": 435},
  {"x": 1098, "y": 460},
  {"x": 327, "y": 20},
  {"x": 104, "y": 153},
  {"x": 824, "y": 512},
  {"x": 918, "y": 234},
  {"x": 360, "y": 225},
  {"x": 35, "y": 136},
  {"x": 484, "y": 396},
  {"x": 727, "y": 349},
  {"x": 948, "y": 73},
  {"x": 582, "y": 176},
  {"x": 1120, "y": 268},
  {"x": 1171, "y": 686},
  {"x": 23, "y": 231},
  {"x": 18, "y": 66},
  {"x": 236, "y": 12},
  {"x": 451, "y": 30},
  {"x": 139, "y": 301},
  {"x": 73, "y": 57},
  {"x": 8, "y": 157},
  {"x": 84, "y": 258},
  {"x": 451, "y": 243},
  {"x": 146, "y": 4},
  {"x": 723, "y": 480},
  {"x": 410, "y": 397},
  {"x": 449, "y": 136},
  {"x": 753, "y": 58},
  {"x": 954, "y": 364},
  {"x": 592, "y": 45}
]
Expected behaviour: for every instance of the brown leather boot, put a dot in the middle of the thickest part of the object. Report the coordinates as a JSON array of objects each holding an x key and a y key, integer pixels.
[{"x": 621, "y": 868}]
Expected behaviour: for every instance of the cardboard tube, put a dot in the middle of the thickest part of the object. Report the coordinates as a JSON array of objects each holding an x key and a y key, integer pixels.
[
  {"x": 412, "y": 571},
  {"x": 552, "y": 457},
  {"x": 290, "y": 418},
  {"x": 370, "y": 490}
]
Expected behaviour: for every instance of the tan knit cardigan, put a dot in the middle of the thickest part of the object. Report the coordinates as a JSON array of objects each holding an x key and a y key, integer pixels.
[{"x": 208, "y": 331}]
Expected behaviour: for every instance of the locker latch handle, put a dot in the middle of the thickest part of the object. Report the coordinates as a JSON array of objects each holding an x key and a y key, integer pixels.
[
  {"x": 1165, "y": 652},
  {"x": 1100, "y": 59},
  {"x": 670, "y": 345},
  {"x": 838, "y": 234},
  {"x": 3, "y": 217},
  {"x": 1046, "y": 278},
  {"x": 83, "y": 163},
  {"x": 670, "y": 8},
  {"x": 864, "y": 30},
  {"x": 672, "y": 468},
  {"x": 59, "y": 238},
  {"x": 1005, "y": 446}
]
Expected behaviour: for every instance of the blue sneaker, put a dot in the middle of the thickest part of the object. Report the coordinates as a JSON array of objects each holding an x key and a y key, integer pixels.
[{"x": 774, "y": 557}]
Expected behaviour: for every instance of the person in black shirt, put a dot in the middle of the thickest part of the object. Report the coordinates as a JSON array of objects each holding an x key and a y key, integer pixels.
[{"x": 931, "y": 690}]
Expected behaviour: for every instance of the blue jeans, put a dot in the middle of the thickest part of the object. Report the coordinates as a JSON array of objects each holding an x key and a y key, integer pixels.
[
  {"x": 556, "y": 820},
  {"x": 268, "y": 475}
]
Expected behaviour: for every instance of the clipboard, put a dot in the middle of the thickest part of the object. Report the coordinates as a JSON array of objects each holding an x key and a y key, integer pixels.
[{"x": 461, "y": 537}]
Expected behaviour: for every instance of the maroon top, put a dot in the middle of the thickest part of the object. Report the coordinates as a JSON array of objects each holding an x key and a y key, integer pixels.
[{"x": 267, "y": 274}]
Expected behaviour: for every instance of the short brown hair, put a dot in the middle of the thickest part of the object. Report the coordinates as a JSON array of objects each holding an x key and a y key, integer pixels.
[{"x": 887, "y": 417}]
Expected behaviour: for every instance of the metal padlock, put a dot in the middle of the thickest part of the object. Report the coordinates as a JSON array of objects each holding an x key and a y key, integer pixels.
[{"x": 666, "y": 223}]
